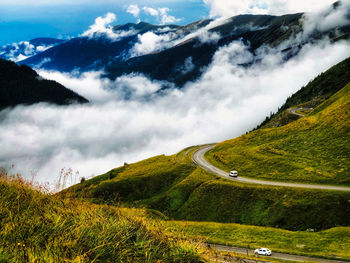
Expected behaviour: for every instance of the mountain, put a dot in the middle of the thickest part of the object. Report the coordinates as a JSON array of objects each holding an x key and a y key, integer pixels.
[
  {"x": 94, "y": 52},
  {"x": 178, "y": 54},
  {"x": 24, "y": 49},
  {"x": 312, "y": 95},
  {"x": 312, "y": 149},
  {"x": 22, "y": 85}
]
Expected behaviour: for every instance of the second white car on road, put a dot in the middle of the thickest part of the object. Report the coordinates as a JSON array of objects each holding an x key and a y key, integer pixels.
[
  {"x": 262, "y": 251},
  {"x": 233, "y": 174}
]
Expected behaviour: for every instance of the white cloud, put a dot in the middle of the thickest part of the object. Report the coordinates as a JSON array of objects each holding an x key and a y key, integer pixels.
[
  {"x": 276, "y": 7},
  {"x": 188, "y": 66},
  {"x": 208, "y": 37},
  {"x": 150, "y": 11},
  {"x": 327, "y": 18},
  {"x": 162, "y": 15},
  {"x": 150, "y": 42},
  {"x": 102, "y": 27},
  {"x": 166, "y": 18},
  {"x": 21, "y": 50},
  {"x": 134, "y": 10}
]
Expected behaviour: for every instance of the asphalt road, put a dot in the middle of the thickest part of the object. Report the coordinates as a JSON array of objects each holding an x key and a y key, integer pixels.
[
  {"x": 198, "y": 158},
  {"x": 274, "y": 255},
  {"x": 294, "y": 111}
]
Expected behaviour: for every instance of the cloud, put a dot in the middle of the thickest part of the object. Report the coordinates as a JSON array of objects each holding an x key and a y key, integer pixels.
[
  {"x": 327, "y": 18},
  {"x": 21, "y": 50},
  {"x": 157, "y": 41},
  {"x": 166, "y": 18},
  {"x": 102, "y": 27},
  {"x": 150, "y": 11},
  {"x": 225, "y": 8},
  {"x": 208, "y": 37},
  {"x": 187, "y": 67},
  {"x": 150, "y": 42},
  {"x": 161, "y": 14},
  {"x": 134, "y": 10}
]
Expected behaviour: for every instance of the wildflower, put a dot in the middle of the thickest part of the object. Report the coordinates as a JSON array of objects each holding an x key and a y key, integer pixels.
[
  {"x": 24, "y": 245},
  {"x": 19, "y": 244}
]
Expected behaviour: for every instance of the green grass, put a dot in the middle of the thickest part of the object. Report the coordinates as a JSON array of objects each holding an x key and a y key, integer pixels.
[
  {"x": 37, "y": 227},
  {"x": 138, "y": 181},
  {"x": 179, "y": 190},
  {"x": 289, "y": 208},
  {"x": 331, "y": 243},
  {"x": 313, "y": 149}
]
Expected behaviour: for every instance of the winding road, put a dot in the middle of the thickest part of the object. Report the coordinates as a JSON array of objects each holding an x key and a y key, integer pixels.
[
  {"x": 199, "y": 159},
  {"x": 276, "y": 255},
  {"x": 294, "y": 111}
]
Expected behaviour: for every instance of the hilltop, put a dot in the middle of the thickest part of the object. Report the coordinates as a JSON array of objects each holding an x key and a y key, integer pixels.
[{"x": 23, "y": 85}]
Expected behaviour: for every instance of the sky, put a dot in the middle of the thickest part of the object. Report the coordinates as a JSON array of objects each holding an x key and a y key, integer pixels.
[{"x": 22, "y": 20}]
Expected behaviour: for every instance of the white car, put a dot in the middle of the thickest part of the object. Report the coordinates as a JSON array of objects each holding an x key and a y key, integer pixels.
[
  {"x": 262, "y": 251},
  {"x": 233, "y": 174}
]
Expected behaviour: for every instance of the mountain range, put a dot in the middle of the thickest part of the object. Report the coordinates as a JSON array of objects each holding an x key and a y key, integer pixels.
[{"x": 178, "y": 54}]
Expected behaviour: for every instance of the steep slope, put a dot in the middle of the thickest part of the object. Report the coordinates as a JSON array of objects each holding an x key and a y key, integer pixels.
[
  {"x": 313, "y": 149},
  {"x": 94, "y": 52},
  {"x": 22, "y": 85},
  {"x": 168, "y": 64},
  {"x": 37, "y": 227},
  {"x": 312, "y": 95}
]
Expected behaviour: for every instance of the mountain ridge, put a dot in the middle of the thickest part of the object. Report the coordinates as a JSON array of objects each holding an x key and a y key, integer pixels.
[{"x": 23, "y": 85}]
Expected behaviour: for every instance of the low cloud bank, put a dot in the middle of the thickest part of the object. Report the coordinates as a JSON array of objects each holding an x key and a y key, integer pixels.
[
  {"x": 226, "y": 101},
  {"x": 224, "y": 8}
]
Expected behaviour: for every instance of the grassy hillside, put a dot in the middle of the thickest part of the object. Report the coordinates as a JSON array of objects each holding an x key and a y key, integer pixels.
[
  {"x": 313, "y": 94},
  {"x": 288, "y": 208},
  {"x": 329, "y": 243},
  {"x": 313, "y": 149},
  {"x": 174, "y": 186},
  {"x": 36, "y": 227}
]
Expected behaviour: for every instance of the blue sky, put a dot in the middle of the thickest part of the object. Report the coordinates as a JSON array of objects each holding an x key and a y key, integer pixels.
[
  {"x": 28, "y": 19},
  {"x": 20, "y": 21}
]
